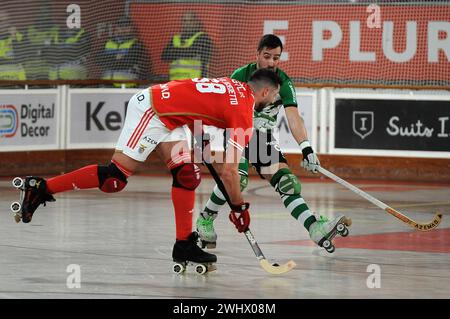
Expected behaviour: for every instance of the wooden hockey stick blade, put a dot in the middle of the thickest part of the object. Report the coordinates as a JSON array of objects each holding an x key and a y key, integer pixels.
[
  {"x": 418, "y": 226},
  {"x": 277, "y": 270},
  {"x": 274, "y": 269}
]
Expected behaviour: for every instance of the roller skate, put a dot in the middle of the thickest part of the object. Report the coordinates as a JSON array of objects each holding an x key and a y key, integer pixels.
[
  {"x": 323, "y": 231},
  {"x": 33, "y": 192},
  {"x": 205, "y": 229},
  {"x": 186, "y": 252}
]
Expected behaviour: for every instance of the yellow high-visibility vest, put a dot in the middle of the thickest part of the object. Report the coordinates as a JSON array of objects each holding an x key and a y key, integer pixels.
[
  {"x": 185, "y": 68},
  {"x": 112, "y": 45},
  {"x": 121, "y": 48},
  {"x": 72, "y": 70},
  {"x": 8, "y": 69}
]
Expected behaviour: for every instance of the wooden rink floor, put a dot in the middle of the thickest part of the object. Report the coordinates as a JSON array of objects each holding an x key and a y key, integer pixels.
[{"x": 121, "y": 244}]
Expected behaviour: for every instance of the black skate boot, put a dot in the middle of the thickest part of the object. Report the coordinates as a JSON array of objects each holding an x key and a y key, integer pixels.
[
  {"x": 34, "y": 193},
  {"x": 187, "y": 252}
]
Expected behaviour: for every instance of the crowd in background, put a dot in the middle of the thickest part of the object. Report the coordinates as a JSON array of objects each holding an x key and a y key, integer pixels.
[{"x": 41, "y": 51}]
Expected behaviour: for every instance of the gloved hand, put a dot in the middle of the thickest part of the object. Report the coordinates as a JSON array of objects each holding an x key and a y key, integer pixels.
[
  {"x": 263, "y": 122},
  {"x": 240, "y": 217},
  {"x": 310, "y": 160}
]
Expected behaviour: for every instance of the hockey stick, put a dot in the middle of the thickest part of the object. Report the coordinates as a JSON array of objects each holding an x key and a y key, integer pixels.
[
  {"x": 419, "y": 226},
  {"x": 274, "y": 269}
]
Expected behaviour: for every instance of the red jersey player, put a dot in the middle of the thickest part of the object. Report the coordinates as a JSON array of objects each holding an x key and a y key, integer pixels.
[{"x": 154, "y": 121}]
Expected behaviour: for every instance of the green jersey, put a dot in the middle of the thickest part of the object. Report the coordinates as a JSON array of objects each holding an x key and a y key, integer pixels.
[
  {"x": 267, "y": 118},
  {"x": 287, "y": 89}
]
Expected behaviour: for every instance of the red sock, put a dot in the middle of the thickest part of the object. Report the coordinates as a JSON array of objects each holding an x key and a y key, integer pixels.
[
  {"x": 183, "y": 202},
  {"x": 83, "y": 178}
]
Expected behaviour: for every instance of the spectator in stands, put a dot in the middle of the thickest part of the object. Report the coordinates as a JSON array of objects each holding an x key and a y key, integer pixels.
[
  {"x": 190, "y": 51},
  {"x": 38, "y": 45},
  {"x": 71, "y": 48},
  {"x": 10, "y": 61},
  {"x": 124, "y": 56}
]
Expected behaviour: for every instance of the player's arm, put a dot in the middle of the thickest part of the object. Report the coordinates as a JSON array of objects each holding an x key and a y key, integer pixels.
[
  {"x": 295, "y": 121},
  {"x": 297, "y": 126},
  {"x": 230, "y": 175},
  {"x": 239, "y": 214},
  {"x": 241, "y": 122}
]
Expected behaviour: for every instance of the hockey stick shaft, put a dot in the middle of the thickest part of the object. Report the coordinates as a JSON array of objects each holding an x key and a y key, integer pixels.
[
  {"x": 419, "y": 226},
  {"x": 275, "y": 270},
  {"x": 259, "y": 254},
  {"x": 224, "y": 192},
  {"x": 248, "y": 234}
]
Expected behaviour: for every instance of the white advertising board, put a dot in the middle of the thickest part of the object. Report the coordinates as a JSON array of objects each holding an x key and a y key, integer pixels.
[{"x": 29, "y": 120}]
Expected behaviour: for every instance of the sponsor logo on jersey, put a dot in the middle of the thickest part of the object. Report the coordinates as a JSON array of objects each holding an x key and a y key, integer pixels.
[
  {"x": 141, "y": 148},
  {"x": 148, "y": 139}
]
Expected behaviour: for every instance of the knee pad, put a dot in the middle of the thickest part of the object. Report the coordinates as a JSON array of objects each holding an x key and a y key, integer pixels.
[
  {"x": 285, "y": 182},
  {"x": 186, "y": 175},
  {"x": 111, "y": 178}
]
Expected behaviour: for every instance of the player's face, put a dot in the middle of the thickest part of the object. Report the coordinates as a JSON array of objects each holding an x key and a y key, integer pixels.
[
  {"x": 265, "y": 96},
  {"x": 268, "y": 58}
]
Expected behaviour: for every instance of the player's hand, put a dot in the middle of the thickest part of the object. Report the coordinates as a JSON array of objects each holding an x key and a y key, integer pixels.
[
  {"x": 240, "y": 217},
  {"x": 310, "y": 160},
  {"x": 263, "y": 122}
]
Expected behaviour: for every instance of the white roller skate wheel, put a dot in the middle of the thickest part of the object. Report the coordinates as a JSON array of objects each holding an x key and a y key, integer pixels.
[
  {"x": 15, "y": 207},
  {"x": 17, "y": 182},
  {"x": 331, "y": 249},
  {"x": 345, "y": 232},
  {"x": 32, "y": 182},
  {"x": 340, "y": 228},
  {"x": 326, "y": 244},
  {"x": 200, "y": 269},
  {"x": 178, "y": 268}
]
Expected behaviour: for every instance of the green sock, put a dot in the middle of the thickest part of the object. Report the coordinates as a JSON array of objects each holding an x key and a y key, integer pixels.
[
  {"x": 298, "y": 209},
  {"x": 289, "y": 189},
  {"x": 215, "y": 201}
]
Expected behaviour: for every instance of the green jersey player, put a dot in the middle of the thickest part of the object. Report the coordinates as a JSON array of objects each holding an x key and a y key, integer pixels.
[{"x": 263, "y": 153}]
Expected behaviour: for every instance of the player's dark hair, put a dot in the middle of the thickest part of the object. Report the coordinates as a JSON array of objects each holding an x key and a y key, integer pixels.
[
  {"x": 263, "y": 77},
  {"x": 270, "y": 41}
]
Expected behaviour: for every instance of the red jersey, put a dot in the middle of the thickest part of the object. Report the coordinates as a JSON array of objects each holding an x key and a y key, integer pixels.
[{"x": 224, "y": 103}]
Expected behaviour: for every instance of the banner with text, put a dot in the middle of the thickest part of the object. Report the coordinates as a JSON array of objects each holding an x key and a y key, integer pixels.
[
  {"x": 96, "y": 117},
  {"x": 392, "y": 125},
  {"x": 402, "y": 44},
  {"x": 29, "y": 120}
]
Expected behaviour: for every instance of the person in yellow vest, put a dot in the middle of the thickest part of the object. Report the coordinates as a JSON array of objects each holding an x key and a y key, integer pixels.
[
  {"x": 39, "y": 42},
  {"x": 124, "y": 56},
  {"x": 188, "y": 52},
  {"x": 72, "y": 47},
  {"x": 10, "y": 39}
]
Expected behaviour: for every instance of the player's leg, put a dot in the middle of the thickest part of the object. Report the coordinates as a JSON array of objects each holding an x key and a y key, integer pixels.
[
  {"x": 288, "y": 187},
  {"x": 174, "y": 151},
  {"x": 272, "y": 165},
  {"x": 205, "y": 220},
  {"x": 109, "y": 178}
]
